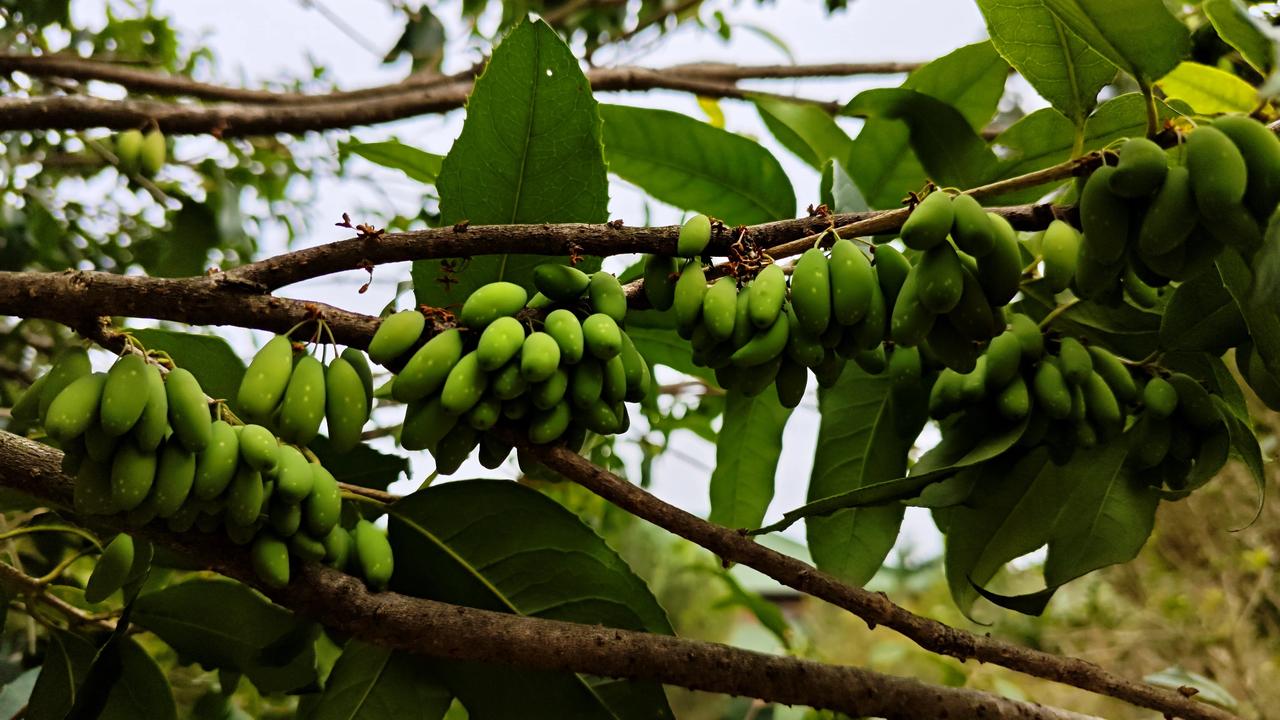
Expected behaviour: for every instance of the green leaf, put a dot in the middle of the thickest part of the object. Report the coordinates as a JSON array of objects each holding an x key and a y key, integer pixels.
[
  {"x": 361, "y": 465},
  {"x": 1140, "y": 37},
  {"x": 694, "y": 166},
  {"x": 140, "y": 691},
  {"x": 747, "y": 458},
  {"x": 844, "y": 195},
  {"x": 371, "y": 683},
  {"x": 209, "y": 358},
  {"x": 880, "y": 160},
  {"x": 1231, "y": 19},
  {"x": 767, "y": 613},
  {"x": 1202, "y": 316},
  {"x": 529, "y": 152},
  {"x": 417, "y": 164},
  {"x": 859, "y": 444},
  {"x": 1056, "y": 62},
  {"x": 1176, "y": 678},
  {"x": 1126, "y": 329},
  {"x": 67, "y": 660},
  {"x": 655, "y": 336},
  {"x": 1209, "y": 90},
  {"x": 223, "y": 624},
  {"x": 1244, "y": 445},
  {"x": 804, "y": 129},
  {"x": 1261, "y": 318},
  {"x": 182, "y": 248},
  {"x": 463, "y": 551}
]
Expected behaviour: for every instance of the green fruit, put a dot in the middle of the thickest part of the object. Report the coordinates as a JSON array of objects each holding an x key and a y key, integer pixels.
[
  {"x": 970, "y": 226},
  {"x": 509, "y": 382},
  {"x": 1141, "y": 169},
  {"x": 70, "y": 366},
  {"x": 973, "y": 317},
  {"x": 426, "y": 371},
  {"x": 1219, "y": 175},
  {"x": 373, "y": 554},
  {"x": 259, "y": 448},
  {"x": 949, "y": 346},
  {"x": 1160, "y": 397},
  {"x": 270, "y": 559},
  {"x": 758, "y": 379},
  {"x": 1194, "y": 402},
  {"x": 586, "y": 383},
  {"x": 499, "y": 342},
  {"x": 151, "y": 155},
  {"x": 216, "y": 464},
  {"x": 345, "y": 408},
  {"x": 1014, "y": 401},
  {"x": 742, "y": 327},
  {"x": 929, "y": 223},
  {"x": 112, "y": 570},
  {"x": 361, "y": 365},
  {"x": 911, "y": 320},
  {"x": 188, "y": 410},
  {"x": 561, "y": 283},
  {"x": 129, "y": 150},
  {"x": 493, "y": 452},
  {"x": 98, "y": 445},
  {"x": 539, "y": 357},
  {"x": 516, "y": 409},
  {"x": 1078, "y": 408},
  {"x": 1051, "y": 391},
  {"x": 807, "y": 351},
  {"x": 396, "y": 334},
  {"x": 1061, "y": 248},
  {"x": 464, "y": 386},
  {"x": 852, "y": 281},
  {"x": 1029, "y": 336},
  {"x": 811, "y": 291},
  {"x": 790, "y": 383},
  {"x": 690, "y": 289},
  {"x": 944, "y": 396},
  {"x": 1114, "y": 373},
  {"x": 563, "y": 326},
  {"x": 244, "y": 497},
  {"x": 490, "y": 302},
  {"x": 636, "y": 371},
  {"x": 873, "y": 361},
  {"x": 1261, "y": 151},
  {"x": 485, "y": 414},
  {"x": 1095, "y": 280},
  {"x": 337, "y": 547},
  {"x": 607, "y": 296},
  {"x": 73, "y": 456},
  {"x": 602, "y": 335},
  {"x": 694, "y": 236},
  {"x": 242, "y": 534},
  {"x": 132, "y": 474},
  {"x": 905, "y": 367},
  {"x": 1151, "y": 439},
  {"x": 93, "y": 490},
  {"x": 454, "y": 447},
  {"x": 1004, "y": 355},
  {"x": 124, "y": 396},
  {"x": 548, "y": 425},
  {"x": 294, "y": 477},
  {"x": 765, "y": 296},
  {"x": 719, "y": 308},
  {"x": 1105, "y": 218},
  {"x": 151, "y": 428},
  {"x": 306, "y": 548},
  {"x": 303, "y": 407},
  {"x": 26, "y": 409},
  {"x": 1171, "y": 216},
  {"x": 892, "y": 268},
  {"x": 1104, "y": 409},
  {"x": 1235, "y": 227},
  {"x": 425, "y": 422},
  {"x": 1138, "y": 291},
  {"x": 75, "y": 408},
  {"x": 1076, "y": 362},
  {"x": 266, "y": 378},
  {"x": 765, "y": 346},
  {"x": 940, "y": 278},
  {"x": 175, "y": 475},
  {"x": 829, "y": 371},
  {"x": 660, "y": 281},
  {"x": 614, "y": 387},
  {"x": 1000, "y": 271},
  {"x": 538, "y": 302},
  {"x": 323, "y": 507}
]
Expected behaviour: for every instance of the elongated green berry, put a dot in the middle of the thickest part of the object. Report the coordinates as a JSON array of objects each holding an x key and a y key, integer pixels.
[{"x": 694, "y": 236}]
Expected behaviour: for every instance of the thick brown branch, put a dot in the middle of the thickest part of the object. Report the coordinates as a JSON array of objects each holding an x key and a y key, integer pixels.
[
  {"x": 453, "y": 632},
  {"x": 875, "y": 608}
]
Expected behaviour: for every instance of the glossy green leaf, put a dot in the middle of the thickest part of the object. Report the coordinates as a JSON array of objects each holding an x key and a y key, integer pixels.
[
  {"x": 1202, "y": 316},
  {"x": 747, "y": 458},
  {"x": 462, "y": 550},
  {"x": 417, "y": 164},
  {"x": 804, "y": 129},
  {"x": 859, "y": 444},
  {"x": 1231, "y": 19},
  {"x": 697, "y": 167},
  {"x": 1260, "y": 318},
  {"x": 1209, "y": 90},
  {"x": 839, "y": 192},
  {"x": 529, "y": 152},
  {"x": 224, "y": 624},
  {"x": 209, "y": 358},
  {"x": 140, "y": 689},
  {"x": 361, "y": 465},
  {"x": 1140, "y": 37},
  {"x": 372, "y": 683},
  {"x": 1131, "y": 331},
  {"x": 182, "y": 248},
  {"x": 1057, "y": 63},
  {"x": 1245, "y": 447},
  {"x": 880, "y": 160},
  {"x": 1176, "y": 678}
]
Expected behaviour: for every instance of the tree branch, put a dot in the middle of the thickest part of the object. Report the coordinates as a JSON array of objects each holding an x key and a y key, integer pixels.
[{"x": 454, "y": 632}]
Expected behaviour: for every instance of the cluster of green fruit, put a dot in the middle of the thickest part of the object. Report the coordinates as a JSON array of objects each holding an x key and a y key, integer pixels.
[
  {"x": 140, "y": 153},
  {"x": 144, "y": 443},
  {"x": 550, "y": 367},
  {"x": 1160, "y": 216}
]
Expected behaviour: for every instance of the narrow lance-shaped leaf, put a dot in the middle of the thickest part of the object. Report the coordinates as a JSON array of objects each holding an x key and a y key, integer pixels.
[
  {"x": 417, "y": 164},
  {"x": 747, "y": 453}
]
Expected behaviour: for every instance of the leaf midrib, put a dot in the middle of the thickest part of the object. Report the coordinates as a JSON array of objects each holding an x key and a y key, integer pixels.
[{"x": 710, "y": 179}]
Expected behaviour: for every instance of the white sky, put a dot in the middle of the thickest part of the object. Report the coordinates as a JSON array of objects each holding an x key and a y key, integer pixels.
[{"x": 261, "y": 41}]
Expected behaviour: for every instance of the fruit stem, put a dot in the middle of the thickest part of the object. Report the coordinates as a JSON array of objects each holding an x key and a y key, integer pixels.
[
  {"x": 1053, "y": 315},
  {"x": 1153, "y": 115},
  {"x": 29, "y": 529}
]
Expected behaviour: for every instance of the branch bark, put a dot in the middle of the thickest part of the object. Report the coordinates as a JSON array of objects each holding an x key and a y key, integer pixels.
[{"x": 454, "y": 632}]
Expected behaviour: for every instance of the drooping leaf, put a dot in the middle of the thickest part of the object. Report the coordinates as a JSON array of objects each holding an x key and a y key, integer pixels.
[
  {"x": 1201, "y": 315},
  {"x": 371, "y": 683},
  {"x": 950, "y": 150},
  {"x": 1209, "y": 90},
  {"x": 463, "y": 551},
  {"x": 529, "y": 152},
  {"x": 1245, "y": 446},
  {"x": 970, "y": 79},
  {"x": 695, "y": 166},
  {"x": 209, "y": 358},
  {"x": 140, "y": 691},
  {"x": 1057, "y": 63},
  {"x": 417, "y": 164},
  {"x": 1140, "y": 37},
  {"x": 1231, "y": 19},
  {"x": 804, "y": 129},
  {"x": 747, "y": 458},
  {"x": 1261, "y": 319},
  {"x": 860, "y": 443},
  {"x": 67, "y": 659},
  {"x": 361, "y": 465}
]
